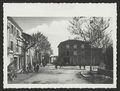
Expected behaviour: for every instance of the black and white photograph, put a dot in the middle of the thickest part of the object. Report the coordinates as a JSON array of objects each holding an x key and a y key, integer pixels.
[{"x": 59, "y": 45}]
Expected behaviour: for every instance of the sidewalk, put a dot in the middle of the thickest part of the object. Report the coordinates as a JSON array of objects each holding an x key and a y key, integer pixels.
[{"x": 21, "y": 77}]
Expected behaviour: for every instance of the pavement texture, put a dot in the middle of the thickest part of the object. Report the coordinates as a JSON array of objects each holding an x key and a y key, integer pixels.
[{"x": 50, "y": 75}]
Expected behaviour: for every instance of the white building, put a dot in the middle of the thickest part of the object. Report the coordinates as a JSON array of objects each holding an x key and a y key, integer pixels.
[
  {"x": 29, "y": 53},
  {"x": 29, "y": 56}
]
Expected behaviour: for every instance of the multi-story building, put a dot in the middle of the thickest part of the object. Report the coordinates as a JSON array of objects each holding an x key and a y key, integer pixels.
[
  {"x": 29, "y": 53},
  {"x": 14, "y": 31},
  {"x": 76, "y": 52}
]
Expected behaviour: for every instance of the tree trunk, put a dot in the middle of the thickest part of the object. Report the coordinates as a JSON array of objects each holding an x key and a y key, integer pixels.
[
  {"x": 24, "y": 60},
  {"x": 91, "y": 61},
  {"x": 24, "y": 66}
]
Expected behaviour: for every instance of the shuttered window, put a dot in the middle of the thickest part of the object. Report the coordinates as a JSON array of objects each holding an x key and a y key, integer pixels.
[
  {"x": 11, "y": 45},
  {"x": 82, "y": 46},
  {"x": 67, "y": 46},
  {"x": 17, "y": 33},
  {"x": 75, "y": 46},
  {"x": 75, "y": 53}
]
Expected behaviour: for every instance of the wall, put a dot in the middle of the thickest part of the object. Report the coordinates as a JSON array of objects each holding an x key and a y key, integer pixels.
[
  {"x": 83, "y": 54},
  {"x": 12, "y": 37}
]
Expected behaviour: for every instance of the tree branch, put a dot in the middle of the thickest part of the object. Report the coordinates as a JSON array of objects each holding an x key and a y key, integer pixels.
[{"x": 30, "y": 46}]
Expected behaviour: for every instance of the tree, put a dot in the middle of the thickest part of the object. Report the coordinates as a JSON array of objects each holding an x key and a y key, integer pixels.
[
  {"x": 42, "y": 45},
  {"x": 28, "y": 42},
  {"x": 92, "y": 29}
]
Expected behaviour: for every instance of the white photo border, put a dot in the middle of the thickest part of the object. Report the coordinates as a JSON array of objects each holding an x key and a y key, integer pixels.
[{"x": 60, "y": 10}]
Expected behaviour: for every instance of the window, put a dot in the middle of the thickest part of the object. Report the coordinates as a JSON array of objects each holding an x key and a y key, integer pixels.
[
  {"x": 27, "y": 51},
  {"x": 82, "y": 46},
  {"x": 75, "y": 53},
  {"x": 17, "y": 33},
  {"x": 67, "y": 46},
  {"x": 67, "y": 53},
  {"x": 17, "y": 47},
  {"x": 11, "y": 46},
  {"x": 75, "y": 46},
  {"x": 8, "y": 25},
  {"x": 83, "y": 53},
  {"x": 14, "y": 31},
  {"x": 11, "y": 29}
]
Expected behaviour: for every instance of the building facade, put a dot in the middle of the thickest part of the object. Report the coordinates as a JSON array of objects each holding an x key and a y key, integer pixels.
[
  {"x": 13, "y": 45},
  {"x": 75, "y": 52},
  {"x": 53, "y": 59},
  {"x": 29, "y": 53}
]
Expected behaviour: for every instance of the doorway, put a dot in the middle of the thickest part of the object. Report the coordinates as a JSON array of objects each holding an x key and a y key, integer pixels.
[
  {"x": 15, "y": 62},
  {"x": 66, "y": 61}
]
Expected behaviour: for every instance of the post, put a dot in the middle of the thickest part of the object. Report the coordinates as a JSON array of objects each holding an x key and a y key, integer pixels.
[
  {"x": 91, "y": 60},
  {"x": 91, "y": 54}
]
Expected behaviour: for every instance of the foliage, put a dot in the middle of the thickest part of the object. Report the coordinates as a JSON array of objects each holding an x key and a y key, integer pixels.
[{"x": 42, "y": 43}]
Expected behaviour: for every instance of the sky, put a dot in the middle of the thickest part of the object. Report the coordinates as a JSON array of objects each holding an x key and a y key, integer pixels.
[{"x": 55, "y": 28}]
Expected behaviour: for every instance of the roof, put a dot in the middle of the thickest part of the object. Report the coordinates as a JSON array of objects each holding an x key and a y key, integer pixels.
[
  {"x": 13, "y": 21},
  {"x": 27, "y": 37},
  {"x": 72, "y": 41}
]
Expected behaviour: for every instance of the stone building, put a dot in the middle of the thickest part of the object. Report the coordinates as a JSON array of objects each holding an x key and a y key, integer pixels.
[
  {"x": 15, "y": 46},
  {"x": 76, "y": 52},
  {"x": 14, "y": 52}
]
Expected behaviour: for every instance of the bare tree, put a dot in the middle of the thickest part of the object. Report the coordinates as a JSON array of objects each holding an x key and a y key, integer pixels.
[{"x": 92, "y": 29}]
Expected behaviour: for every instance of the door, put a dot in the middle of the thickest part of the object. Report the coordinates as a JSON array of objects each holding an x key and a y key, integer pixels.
[
  {"x": 15, "y": 62},
  {"x": 66, "y": 61}
]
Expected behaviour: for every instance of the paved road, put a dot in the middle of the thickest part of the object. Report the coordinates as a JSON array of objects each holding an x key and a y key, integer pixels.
[{"x": 50, "y": 75}]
